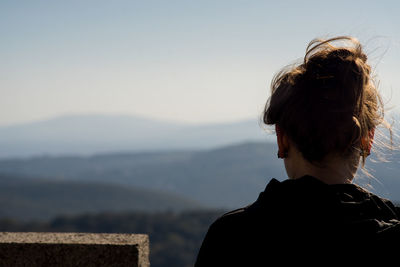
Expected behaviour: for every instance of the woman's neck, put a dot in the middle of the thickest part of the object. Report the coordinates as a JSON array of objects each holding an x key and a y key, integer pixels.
[{"x": 332, "y": 170}]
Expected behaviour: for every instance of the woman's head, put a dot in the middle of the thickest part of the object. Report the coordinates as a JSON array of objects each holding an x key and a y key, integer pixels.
[{"x": 327, "y": 105}]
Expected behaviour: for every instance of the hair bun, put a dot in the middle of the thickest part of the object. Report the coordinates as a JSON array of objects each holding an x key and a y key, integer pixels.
[{"x": 327, "y": 104}]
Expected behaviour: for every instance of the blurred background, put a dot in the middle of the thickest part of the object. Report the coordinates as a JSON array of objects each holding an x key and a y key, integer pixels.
[{"x": 144, "y": 116}]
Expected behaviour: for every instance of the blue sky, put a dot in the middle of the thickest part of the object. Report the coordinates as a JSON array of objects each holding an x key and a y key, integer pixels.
[{"x": 193, "y": 61}]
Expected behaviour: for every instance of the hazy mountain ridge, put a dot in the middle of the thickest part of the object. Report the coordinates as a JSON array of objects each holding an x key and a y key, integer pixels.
[
  {"x": 42, "y": 199},
  {"x": 223, "y": 177},
  {"x": 226, "y": 177},
  {"x": 91, "y": 134}
]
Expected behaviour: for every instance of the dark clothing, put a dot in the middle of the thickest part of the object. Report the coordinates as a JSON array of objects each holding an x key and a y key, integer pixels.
[{"x": 295, "y": 220}]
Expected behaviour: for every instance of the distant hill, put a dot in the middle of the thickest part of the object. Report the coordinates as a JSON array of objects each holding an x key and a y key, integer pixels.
[
  {"x": 90, "y": 134},
  {"x": 226, "y": 177},
  {"x": 229, "y": 176},
  {"x": 39, "y": 199}
]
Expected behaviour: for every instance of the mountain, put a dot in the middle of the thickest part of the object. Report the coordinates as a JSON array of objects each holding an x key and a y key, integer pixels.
[
  {"x": 41, "y": 199},
  {"x": 90, "y": 134},
  {"x": 224, "y": 177}
]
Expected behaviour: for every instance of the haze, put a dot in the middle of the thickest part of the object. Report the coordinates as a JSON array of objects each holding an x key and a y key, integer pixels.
[{"x": 188, "y": 61}]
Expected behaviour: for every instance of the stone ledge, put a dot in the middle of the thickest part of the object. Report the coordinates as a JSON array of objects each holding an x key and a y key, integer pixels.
[{"x": 73, "y": 249}]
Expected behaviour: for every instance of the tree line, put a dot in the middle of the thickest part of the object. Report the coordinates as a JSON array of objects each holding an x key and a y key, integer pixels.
[{"x": 175, "y": 237}]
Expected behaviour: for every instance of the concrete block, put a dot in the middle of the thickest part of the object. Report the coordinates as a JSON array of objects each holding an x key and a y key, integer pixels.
[{"x": 73, "y": 249}]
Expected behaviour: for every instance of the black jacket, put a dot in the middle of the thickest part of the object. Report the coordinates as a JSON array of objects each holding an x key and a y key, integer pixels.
[{"x": 295, "y": 220}]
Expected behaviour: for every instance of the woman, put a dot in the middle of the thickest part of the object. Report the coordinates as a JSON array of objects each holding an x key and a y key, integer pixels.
[{"x": 325, "y": 111}]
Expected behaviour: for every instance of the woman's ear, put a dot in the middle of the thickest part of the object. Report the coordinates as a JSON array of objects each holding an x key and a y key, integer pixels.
[
  {"x": 371, "y": 135},
  {"x": 366, "y": 143},
  {"x": 282, "y": 141}
]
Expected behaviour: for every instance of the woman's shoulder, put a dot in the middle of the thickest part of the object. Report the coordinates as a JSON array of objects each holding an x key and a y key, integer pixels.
[
  {"x": 356, "y": 195},
  {"x": 233, "y": 221}
]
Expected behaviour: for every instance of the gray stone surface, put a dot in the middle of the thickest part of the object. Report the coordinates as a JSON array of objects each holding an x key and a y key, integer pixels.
[{"x": 73, "y": 249}]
